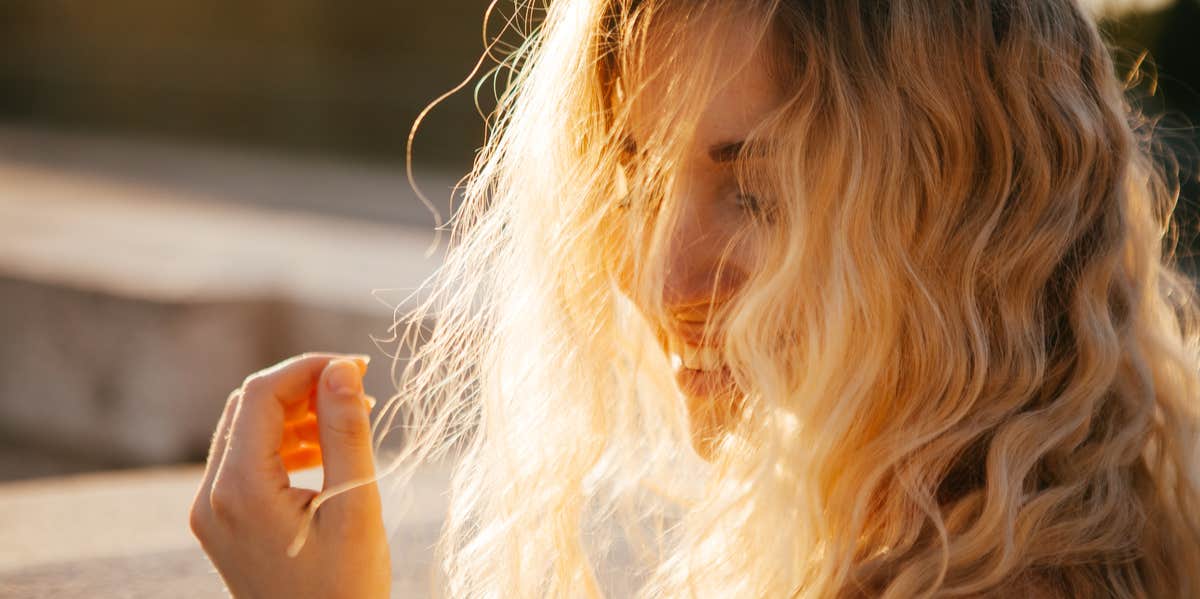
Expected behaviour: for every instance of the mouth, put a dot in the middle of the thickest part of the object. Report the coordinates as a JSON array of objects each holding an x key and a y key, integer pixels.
[
  {"x": 699, "y": 370},
  {"x": 712, "y": 397},
  {"x": 694, "y": 357}
]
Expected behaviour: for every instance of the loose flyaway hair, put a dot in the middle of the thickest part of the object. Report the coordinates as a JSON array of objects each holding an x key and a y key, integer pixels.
[{"x": 966, "y": 362}]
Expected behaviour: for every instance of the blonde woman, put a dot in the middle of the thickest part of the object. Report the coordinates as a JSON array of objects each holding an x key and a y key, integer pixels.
[{"x": 770, "y": 298}]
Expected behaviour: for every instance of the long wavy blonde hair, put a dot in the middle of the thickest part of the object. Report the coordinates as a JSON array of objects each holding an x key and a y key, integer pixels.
[{"x": 967, "y": 364}]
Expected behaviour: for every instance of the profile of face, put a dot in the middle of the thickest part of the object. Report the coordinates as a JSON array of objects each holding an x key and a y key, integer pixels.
[{"x": 708, "y": 255}]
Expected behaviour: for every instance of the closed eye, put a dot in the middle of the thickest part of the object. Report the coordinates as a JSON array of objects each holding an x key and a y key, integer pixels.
[
  {"x": 754, "y": 205},
  {"x": 748, "y": 202}
]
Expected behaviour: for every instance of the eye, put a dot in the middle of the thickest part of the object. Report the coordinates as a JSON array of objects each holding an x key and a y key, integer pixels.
[
  {"x": 748, "y": 202},
  {"x": 755, "y": 206}
]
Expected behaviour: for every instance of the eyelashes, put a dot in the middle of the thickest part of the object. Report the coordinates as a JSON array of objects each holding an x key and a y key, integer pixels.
[
  {"x": 748, "y": 202},
  {"x": 627, "y": 197}
]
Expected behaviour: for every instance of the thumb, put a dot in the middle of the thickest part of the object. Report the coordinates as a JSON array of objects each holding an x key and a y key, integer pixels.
[{"x": 343, "y": 421}]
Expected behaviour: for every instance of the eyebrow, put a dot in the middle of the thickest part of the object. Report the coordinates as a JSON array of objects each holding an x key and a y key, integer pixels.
[
  {"x": 726, "y": 151},
  {"x": 720, "y": 153}
]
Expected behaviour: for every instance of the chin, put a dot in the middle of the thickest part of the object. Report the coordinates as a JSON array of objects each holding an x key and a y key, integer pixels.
[
  {"x": 714, "y": 401},
  {"x": 710, "y": 418}
]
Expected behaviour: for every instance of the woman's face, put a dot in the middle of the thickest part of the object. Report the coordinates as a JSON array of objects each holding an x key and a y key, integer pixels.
[{"x": 712, "y": 245}]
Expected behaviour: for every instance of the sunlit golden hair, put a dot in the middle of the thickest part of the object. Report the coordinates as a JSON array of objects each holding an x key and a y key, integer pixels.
[{"x": 966, "y": 362}]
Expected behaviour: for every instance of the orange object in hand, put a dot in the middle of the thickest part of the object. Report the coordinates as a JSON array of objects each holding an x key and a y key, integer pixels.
[
  {"x": 300, "y": 447},
  {"x": 257, "y": 529}
]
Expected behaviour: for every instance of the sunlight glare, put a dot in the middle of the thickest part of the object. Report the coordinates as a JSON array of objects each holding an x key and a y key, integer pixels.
[{"x": 1114, "y": 8}]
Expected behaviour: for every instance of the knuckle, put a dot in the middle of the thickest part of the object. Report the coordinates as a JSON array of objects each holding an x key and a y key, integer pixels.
[
  {"x": 223, "y": 503},
  {"x": 199, "y": 520}
]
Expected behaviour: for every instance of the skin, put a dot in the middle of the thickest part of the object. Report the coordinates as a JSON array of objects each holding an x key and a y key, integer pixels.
[
  {"x": 711, "y": 212},
  {"x": 306, "y": 411},
  {"x": 310, "y": 410}
]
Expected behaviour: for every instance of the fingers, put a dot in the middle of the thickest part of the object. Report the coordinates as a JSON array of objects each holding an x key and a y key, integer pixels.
[
  {"x": 253, "y": 457},
  {"x": 301, "y": 445},
  {"x": 343, "y": 419},
  {"x": 216, "y": 451}
]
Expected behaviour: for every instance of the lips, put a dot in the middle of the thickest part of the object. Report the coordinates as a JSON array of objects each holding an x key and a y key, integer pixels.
[
  {"x": 704, "y": 383},
  {"x": 693, "y": 356},
  {"x": 700, "y": 371},
  {"x": 700, "y": 358}
]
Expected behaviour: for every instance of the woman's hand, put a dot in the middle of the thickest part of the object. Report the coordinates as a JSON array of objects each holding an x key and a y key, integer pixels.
[{"x": 299, "y": 413}]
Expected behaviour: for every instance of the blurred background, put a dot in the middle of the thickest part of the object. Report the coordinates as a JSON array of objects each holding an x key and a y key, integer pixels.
[{"x": 193, "y": 191}]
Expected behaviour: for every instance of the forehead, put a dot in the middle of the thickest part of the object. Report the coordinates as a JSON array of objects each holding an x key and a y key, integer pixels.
[{"x": 739, "y": 93}]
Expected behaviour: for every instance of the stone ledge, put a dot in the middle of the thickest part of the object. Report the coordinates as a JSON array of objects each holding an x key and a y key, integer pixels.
[
  {"x": 139, "y": 284},
  {"x": 125, "y": 534},
  {"x": 126, "y": 381}
]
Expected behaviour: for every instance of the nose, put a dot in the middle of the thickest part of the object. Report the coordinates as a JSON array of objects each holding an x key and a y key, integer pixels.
[{"x": 701, "y": 274}]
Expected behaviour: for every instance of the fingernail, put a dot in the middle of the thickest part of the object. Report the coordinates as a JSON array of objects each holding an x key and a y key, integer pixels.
[
  {"x": 344, "y": 378},
  {"x": 363, "y": 361},
  {"x": 369, "y": 402}
]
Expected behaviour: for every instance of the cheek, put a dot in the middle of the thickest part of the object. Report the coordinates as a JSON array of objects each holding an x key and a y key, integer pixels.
[
  {"x": 745, "y": 253},
  {"x": 625, "y": 263}
]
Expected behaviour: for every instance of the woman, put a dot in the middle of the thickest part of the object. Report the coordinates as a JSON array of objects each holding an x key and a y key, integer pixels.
[{"x": 894, "y": 270}]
